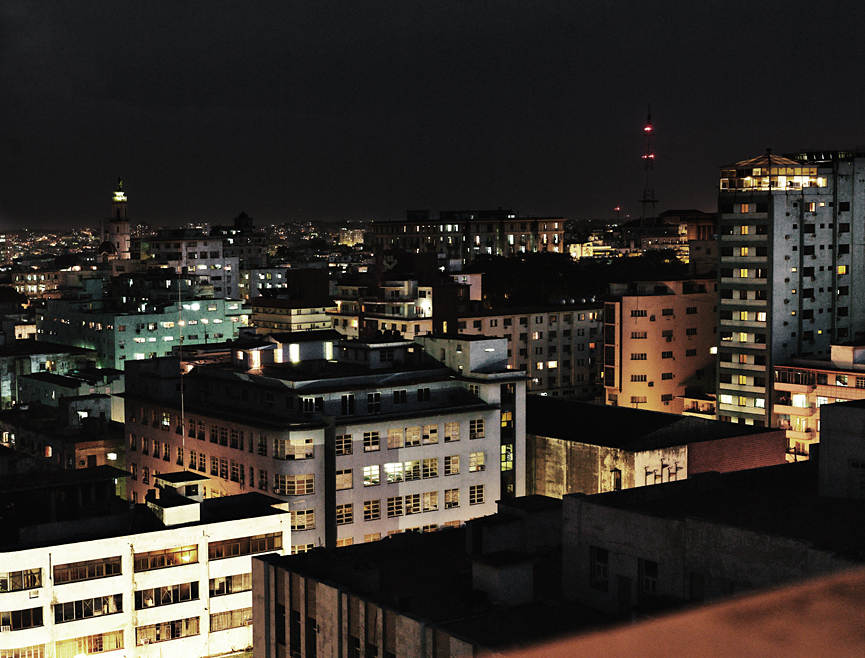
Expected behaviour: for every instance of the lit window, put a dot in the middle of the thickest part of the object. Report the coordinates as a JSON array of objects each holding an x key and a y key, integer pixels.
[{"x": 842, "y": 269}]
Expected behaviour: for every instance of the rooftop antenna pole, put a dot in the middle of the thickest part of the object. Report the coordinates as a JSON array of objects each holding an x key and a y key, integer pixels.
[{"x": 648, "y": 163}]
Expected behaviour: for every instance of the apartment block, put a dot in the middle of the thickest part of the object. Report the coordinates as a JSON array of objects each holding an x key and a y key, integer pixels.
[
  {"x": 197, "y": 253},
  {"x": 119, "y": 336},
  {"x": 803, "y": 388},
  {"x": 557, "y": 347},
  {"x": 466, "y": 234},
  {"x": 273, "y": 314},
  {"x": 658, "y": 341},
  {"x": 24, "y": 357},
  {"x": 172, "y": 577},
  {"x": 789, "y": 270},
  {"x": 361, "y": 439}
]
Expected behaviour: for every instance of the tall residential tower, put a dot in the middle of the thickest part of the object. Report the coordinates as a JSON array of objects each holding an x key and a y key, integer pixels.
[{"x": 791, "y": 264}]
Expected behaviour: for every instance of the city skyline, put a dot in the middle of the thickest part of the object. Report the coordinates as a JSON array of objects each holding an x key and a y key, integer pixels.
[{"x": 334, "y": 112}]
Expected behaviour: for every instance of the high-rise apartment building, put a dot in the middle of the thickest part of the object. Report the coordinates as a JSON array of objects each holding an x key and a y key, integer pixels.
[{"x": 789, "y": 270}]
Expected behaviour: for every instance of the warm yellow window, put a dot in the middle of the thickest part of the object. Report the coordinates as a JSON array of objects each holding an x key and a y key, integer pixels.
[
  {"x": 743, "y": 230},
  {"x": 744, "y": 208},
  {"x": 743, "y": 315},
  {"x": 743, "y": 274},
  {"x": 743, "y": 251},
  {"x": 842, "y": 269},
  {"x": 743, "y": 380}
]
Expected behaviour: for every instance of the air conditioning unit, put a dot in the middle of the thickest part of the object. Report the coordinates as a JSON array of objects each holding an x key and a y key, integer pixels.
[
  {"x": 651, "y": 383},
  {"x": 5, "y": 629},
  {"x": 666, "y": 403},
  {"x": 669, "y": 339},
  {"x": 652, "y": 319},
  {"x": 145, "y": 641}
]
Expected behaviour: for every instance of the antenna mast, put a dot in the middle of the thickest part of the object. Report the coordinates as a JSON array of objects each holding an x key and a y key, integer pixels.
[{"x": 648, "y": 163}]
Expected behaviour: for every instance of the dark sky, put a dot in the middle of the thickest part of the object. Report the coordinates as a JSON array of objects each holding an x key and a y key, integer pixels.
[{"x": 361, "y": 109}]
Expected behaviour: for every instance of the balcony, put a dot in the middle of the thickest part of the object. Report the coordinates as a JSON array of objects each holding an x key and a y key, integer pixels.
[
  {"x": 701, "y": 411},
  {"x": 736, "y": 280},
  {"x": 732, "y": 365},
  {"x": 744, "y": 302},
  {"x": 805, "y": 435},
  {"x": 742, "y": 388},
  {"x": 744, "y": 260},
  {"x": 753, "y": 324},
  {"x": 790, "y": 410},
  {"x": 794, "y": 388},
  {"x": 736, "y": 409},
  {"x": 751, "y": 237}
]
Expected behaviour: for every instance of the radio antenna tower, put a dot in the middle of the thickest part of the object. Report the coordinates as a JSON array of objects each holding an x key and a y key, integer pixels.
[{"x": 649, "y": 200}]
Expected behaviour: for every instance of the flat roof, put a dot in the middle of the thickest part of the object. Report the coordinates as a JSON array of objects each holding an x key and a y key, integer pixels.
[
  {"x": 444, "y": 594},
  {"x": 623, "y": 427},
  {"x": 31, "y": 346},
  {"x": 820, "y": 617},
  {"x": 139, "y": 519},
  {"x": 528, "y": 310},
  {"x": 780, "y": 500}
]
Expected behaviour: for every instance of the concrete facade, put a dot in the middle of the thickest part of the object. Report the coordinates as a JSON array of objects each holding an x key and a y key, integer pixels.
[
  {"x": 789, "y": 270},
  {"x": 558, "y": 347},
  {"x": 805, "y": 386},
  {"x": 361, "y": 439},
  {"x": 159, "y": 590},
  {"x": 118, "y": 337},
  {"x": 463, "y": 235},
  {"x": 658, "y": 340}
]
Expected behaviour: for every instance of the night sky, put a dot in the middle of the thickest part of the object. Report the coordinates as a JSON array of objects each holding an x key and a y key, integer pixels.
[{"x": 343, "y": 110}]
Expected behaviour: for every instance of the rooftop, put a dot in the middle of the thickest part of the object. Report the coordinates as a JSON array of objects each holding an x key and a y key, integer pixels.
[
  {"x": 386, "y": 573},
  {"x": 622, "y": 427},
  {"x": 779, "y": 500}
]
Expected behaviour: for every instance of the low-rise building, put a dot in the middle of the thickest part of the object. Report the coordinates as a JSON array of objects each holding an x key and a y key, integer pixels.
[
  {"x": 489, "y": 587},
  {"x": 578, "y": 447},
  {"x": 641, "y": 550},
  {"x": 80, "y": 574},
  {"x": 118, "y": 336},
  {"x": 275, "y": 314},
  {"x": 50, "y": 389},
  {"x": 23, "y": 357}
]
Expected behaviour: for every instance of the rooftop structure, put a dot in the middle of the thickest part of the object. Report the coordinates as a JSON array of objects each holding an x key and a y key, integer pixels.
[{"x": 579, "y": 447}]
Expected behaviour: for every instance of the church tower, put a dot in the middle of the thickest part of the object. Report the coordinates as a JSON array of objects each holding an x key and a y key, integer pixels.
[{"x": 118, "y": 231}]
